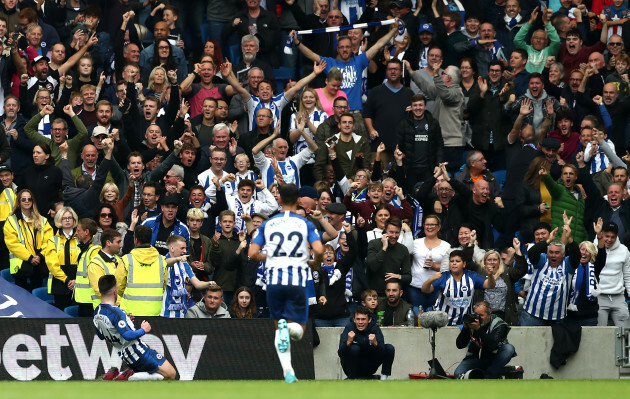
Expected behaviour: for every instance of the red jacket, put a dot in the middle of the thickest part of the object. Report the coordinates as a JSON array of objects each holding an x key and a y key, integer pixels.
[{"x": 366, "y": 210}]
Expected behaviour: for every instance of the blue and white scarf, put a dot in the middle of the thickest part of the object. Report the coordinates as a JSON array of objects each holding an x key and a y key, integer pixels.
[
  {"x": 576, "y": 285},
  {"x": 177, "y": 279}
]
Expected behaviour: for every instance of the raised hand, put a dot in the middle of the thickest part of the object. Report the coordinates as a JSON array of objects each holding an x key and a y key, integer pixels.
[{"x": 598, "y": 226}]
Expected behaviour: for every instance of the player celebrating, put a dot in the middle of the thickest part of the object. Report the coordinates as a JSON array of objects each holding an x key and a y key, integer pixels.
[
  {"x": 113, "y": 325},
  {"x": 285, "y": 238}
]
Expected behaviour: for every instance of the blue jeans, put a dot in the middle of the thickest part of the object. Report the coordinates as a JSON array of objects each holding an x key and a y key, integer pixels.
[
  {"x": 527, "y": 320},
  {"x": 416, "y": 297},
  {"x": 492, "y": 366},
  {"x": 340, "y": 322}
]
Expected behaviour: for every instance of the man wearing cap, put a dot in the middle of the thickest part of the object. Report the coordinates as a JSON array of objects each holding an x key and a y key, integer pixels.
[
  {"x": 426, "y": 35},
  {"x": 7, "y": 201},
  {"x": 59, "y": 133},
  {"x": 401, "y": 9},
  {"x": 550, "y": 148},
  {"x": 614, "y": 278},
  {"x": 166, "y": 224}
]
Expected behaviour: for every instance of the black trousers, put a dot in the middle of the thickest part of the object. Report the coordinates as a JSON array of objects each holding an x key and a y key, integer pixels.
[{"x": 360, "y": 363}]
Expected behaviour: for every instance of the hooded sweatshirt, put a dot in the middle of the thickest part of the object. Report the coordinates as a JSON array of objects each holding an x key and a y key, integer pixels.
[
  {"x": 199, "y": 311},
  {"x": 616, "y": 273}
]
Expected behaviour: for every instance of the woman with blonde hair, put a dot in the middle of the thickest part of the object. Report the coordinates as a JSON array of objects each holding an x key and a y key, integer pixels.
[
  {"x": 62, "y": 256},
  {"x": 111, "y": 195},
  {"x": 309, "y": 116},
  {"x": 158, "y": 82},
  {"x": 26, "y": 233},
  {"x": 503, "y": 297},
  {"x": 328, "y": 93}
]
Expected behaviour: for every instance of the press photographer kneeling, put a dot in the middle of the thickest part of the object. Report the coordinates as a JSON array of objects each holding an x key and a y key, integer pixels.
[{"x": 485, "y": 335}]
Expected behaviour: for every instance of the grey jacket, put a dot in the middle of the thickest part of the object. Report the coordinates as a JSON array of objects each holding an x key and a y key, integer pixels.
[
  {"x": 199, "y": 312},
  {"x": 448, "y": 108}
]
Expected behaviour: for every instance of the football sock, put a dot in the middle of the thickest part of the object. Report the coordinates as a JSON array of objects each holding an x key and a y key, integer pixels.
[
  {"x": 143, "y": 376},
  {"x": 295, "y": 331},
  {"x": 285, "y": 358}
]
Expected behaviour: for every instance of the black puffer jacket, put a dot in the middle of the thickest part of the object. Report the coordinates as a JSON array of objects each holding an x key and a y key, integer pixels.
[{"x": 406, "y": 139}]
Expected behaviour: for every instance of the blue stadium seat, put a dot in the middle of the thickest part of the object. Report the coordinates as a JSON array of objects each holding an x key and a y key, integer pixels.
[
  {"x": 500, "y": 176},
  {"x": 6, "y": 274},
  {"x": 42, "y": 293},
  {"x": 282, "y": 75},
  {"x": 72, "y": 310}
]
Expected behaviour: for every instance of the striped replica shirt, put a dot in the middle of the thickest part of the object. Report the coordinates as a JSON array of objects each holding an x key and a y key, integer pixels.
[
  {"x": 549, "y": 292},
  {"x": 174, "y": 300},
  {"x": 456, "y": 297},
  {"x": 114, "y": 326},
  {"x": 290, "y": 167},
  {"x": 276, "y": 105},
  {"x": 316, "y": 117},
  {"x": 286, "y": 238}
]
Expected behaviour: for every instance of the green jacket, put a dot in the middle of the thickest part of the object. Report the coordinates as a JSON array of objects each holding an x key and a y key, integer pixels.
[
  {"x": 75, "y": 144},
  {"x": 536, "y": 60},
  {"x": 564, "y": 200}
]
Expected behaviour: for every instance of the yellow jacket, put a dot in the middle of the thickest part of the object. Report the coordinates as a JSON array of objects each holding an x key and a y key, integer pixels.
[
  {"x": 141, "y": 281},
  {"x": 96, "y": 271},
  {"x": 83, "y": 292},
  {"x": 55, "y": 254},
  {"x": 7, "y": 200},
  {"x": 21, "y": 241}
]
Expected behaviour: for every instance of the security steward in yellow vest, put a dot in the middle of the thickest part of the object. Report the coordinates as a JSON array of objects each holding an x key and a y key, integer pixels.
[
  {"x": 142, "y": 276},
  {"x": 62, "y": 254},
  {"x": 26, "y": 241},
  {"x": 7, "y": 202},
  {"x": 106, "y": 261},
  {"x": 82, "y": 290}
]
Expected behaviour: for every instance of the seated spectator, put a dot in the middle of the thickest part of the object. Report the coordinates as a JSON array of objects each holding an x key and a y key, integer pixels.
[
  {"x": 243, "y": 304},
  {"x": 476, "y": 169},
  {"x": 395, "y": 309}
]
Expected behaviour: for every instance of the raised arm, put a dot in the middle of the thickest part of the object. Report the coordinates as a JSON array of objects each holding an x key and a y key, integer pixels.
[
  {"x": 65, "y": 67},
  {"x": 226, "y": 71},
  {"x": 308, "y": 53},
  {"x": 264, "y": 143},
  {"x": 318, "y": 68},
  {"x": 371, "y": 52}
]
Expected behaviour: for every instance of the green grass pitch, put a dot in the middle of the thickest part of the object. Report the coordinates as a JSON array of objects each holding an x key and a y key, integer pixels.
[{"x": 512, "y": 389}]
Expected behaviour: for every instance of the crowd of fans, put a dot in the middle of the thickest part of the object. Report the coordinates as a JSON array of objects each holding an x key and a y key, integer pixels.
[{"x": 116, "y": 116}]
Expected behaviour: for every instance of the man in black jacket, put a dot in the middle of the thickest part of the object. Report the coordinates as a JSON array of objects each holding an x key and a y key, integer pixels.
[
  {"x": 362, "y": 348},
  {"x": 486, "y": 339},
  {"x": 420, "y": 139}
]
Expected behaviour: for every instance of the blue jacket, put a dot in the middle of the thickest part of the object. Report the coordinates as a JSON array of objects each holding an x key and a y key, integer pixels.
[{"x": 179, "y": 228}]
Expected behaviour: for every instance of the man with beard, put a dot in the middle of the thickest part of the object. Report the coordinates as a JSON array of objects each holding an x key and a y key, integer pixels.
[
  {"x": 59, "y": 133},
  {"x": 13, "y": 124},
  {"x": 250, "y": 46},
  {"x": 166, "y": 224},
  {"x": 394, "y": 307},
  {"x": 187, "y": 158}
]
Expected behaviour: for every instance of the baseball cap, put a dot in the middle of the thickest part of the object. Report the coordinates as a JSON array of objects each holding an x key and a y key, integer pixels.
[
  {"x": 39, "y": 58},
  {"x": 5, "y": 167},
  {"x": 610, "y": 227},
  {"x": 99, "y": 131},
  {"x": 426, "y": 28}
]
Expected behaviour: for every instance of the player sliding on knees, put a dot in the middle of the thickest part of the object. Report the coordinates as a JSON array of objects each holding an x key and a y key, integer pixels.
[
  {"x": 113, "y": 325},
  {"x": 285, "y": 238}
]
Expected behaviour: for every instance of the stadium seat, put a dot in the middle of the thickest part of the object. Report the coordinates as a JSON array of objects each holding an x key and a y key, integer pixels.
[
  {"x": 500, "y": 176},
  {"x": 42, "y": 293},
  {"x": 283, "y": 74},
  {"x": 72, "y": 310},
  {"x": 6, "y": 274}
]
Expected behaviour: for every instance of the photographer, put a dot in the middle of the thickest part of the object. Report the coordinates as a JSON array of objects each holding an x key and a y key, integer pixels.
[{"x": 485, "y": 335}]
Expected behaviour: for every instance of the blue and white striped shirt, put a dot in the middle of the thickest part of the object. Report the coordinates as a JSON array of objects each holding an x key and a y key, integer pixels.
[
  {"x": 549, "y": 292},
  {"x": 285, "y": 238},
  {"x": 114, "y": 326},
  {"x": 316, "y": 117},
  {"x": 276, "y": 105},
  {"x": 456, "y": 297}
]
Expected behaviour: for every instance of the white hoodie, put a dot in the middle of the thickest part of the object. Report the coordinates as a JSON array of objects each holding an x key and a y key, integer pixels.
[{"x": 616, "y": 273}]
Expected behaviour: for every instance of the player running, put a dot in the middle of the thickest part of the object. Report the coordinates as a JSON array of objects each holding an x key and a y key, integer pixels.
[
  {"x": 113, "y": 325},
  {"x": 285, "y": 238}
]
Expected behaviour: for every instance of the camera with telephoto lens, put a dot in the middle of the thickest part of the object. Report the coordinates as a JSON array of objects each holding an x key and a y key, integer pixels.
[{"x": 471, "y": 318}]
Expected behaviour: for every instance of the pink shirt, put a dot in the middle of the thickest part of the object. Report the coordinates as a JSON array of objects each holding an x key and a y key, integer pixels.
[{"x": 327, "y": 106}]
